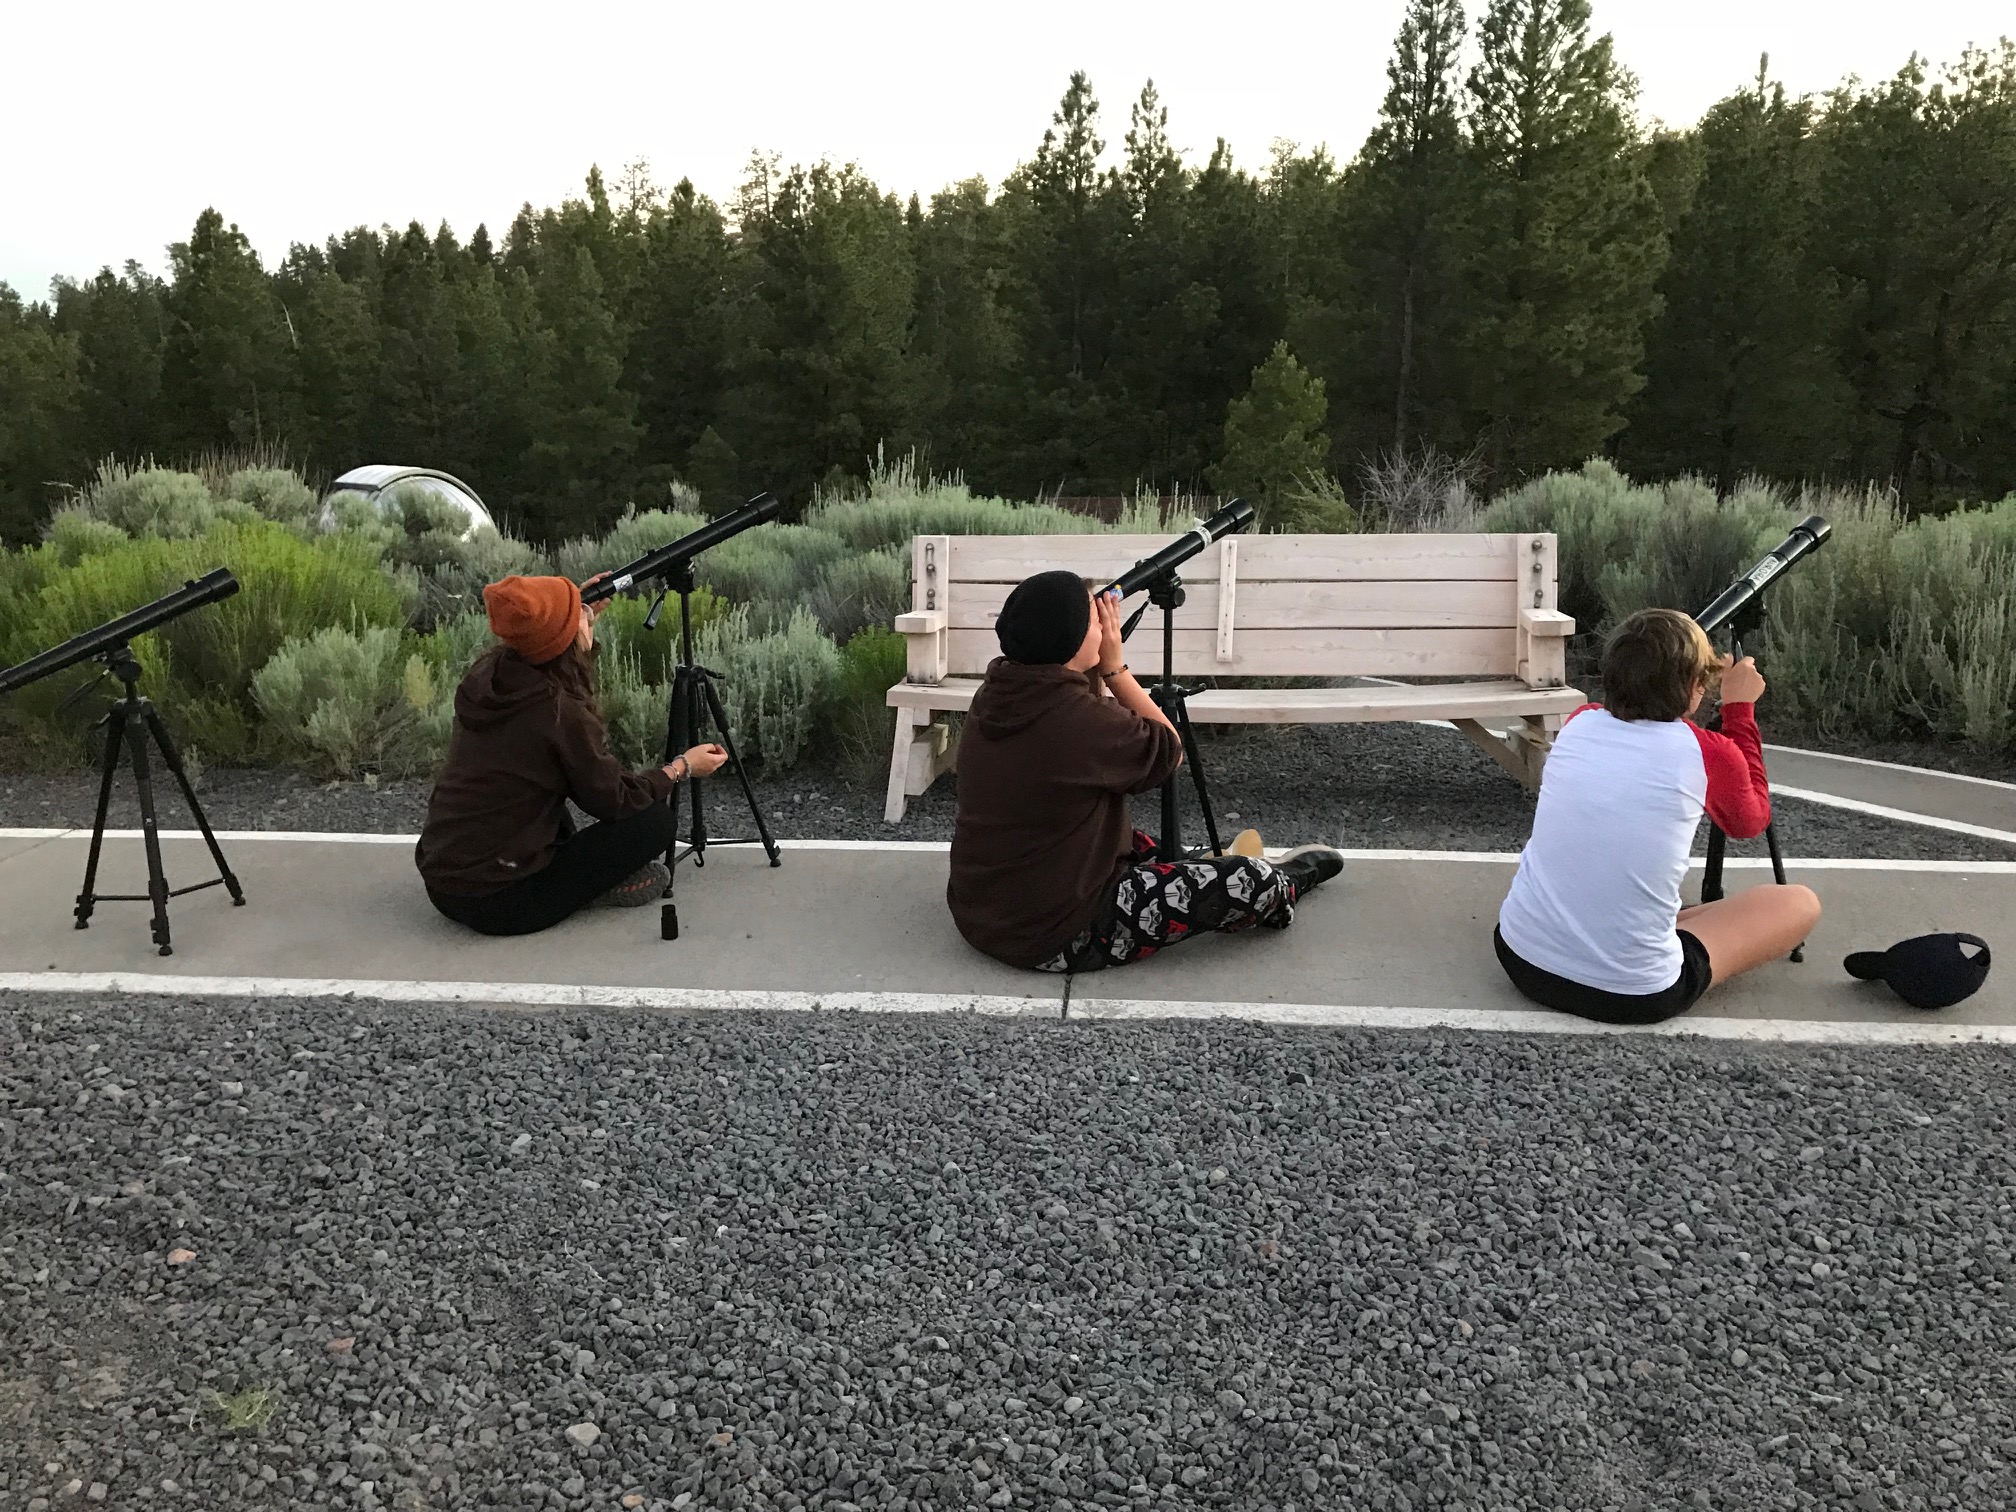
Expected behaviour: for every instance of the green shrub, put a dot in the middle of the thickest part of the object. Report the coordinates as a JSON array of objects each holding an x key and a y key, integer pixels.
[
  {"x": 854, "y": 592},
  {"x": 454, "y": 585},
  {"x": 275, "y": 493},
  {"x": 149, "y": 501},
  {"x": 1315, "y": 505},
  {"x": 620, "y": 631},
  {"x": 74, "y": 535},
  {"x": 634, "y": 707},
  {"x": 771, "y": 569},
  {"x": 862, "y": 723},
  {"x": 775, "y": 686},
  {"x": 200, "y": 666},
  {"x": 628, "y": 539},
  {"x": 343, "y": 702}
]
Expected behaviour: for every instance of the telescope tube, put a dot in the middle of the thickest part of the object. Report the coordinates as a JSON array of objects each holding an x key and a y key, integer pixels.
[
  {"x": 1806, "y": 537},
  {"x": 194, "y": 594},
  {"x": 678, "y": 553},
  {"x": 1235, "y": 516}
]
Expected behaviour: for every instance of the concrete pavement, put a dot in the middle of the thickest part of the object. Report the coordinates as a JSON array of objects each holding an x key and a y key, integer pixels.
[{"x": 1400, "y": 934}]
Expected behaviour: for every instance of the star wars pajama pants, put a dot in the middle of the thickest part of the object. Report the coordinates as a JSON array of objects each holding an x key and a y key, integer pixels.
[{"x": 1158, "y": 903}]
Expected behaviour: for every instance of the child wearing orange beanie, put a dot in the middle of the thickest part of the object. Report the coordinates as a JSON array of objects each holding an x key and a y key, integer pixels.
[{"x": 499, "y": 852}]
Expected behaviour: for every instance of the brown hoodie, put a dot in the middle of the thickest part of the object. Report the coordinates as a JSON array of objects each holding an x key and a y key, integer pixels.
[
  {"x": 1046, "y": 762},
  {"x": 526, "y": 739}
]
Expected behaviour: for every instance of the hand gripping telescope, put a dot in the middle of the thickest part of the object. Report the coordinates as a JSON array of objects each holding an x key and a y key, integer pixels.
[
  {"x": 1740, "y": 606},
  {"x": 1157, "y": 574},
  {"x": 695, "y": 700},
  {"x": 128, "y": 724}
]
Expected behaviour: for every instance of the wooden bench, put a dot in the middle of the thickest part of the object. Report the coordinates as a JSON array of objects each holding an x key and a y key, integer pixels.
[{"x": 1370, "y": 606}]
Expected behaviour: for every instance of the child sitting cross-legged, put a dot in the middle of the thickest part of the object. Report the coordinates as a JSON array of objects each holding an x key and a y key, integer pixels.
[{"x": 1593, "y": 923}]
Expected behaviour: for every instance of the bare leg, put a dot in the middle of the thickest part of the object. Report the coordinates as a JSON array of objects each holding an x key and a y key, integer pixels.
[{"x": 1752, "y": 927}]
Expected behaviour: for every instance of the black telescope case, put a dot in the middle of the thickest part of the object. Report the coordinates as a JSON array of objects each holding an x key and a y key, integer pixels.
[{"x": 129, "y": 723}]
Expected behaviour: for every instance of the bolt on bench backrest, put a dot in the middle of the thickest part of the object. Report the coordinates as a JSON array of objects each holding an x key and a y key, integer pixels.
[{"x": 1269, "y": 605}]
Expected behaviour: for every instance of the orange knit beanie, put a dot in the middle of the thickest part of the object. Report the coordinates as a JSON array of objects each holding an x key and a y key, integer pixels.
[{"x": 534, "y": 616}]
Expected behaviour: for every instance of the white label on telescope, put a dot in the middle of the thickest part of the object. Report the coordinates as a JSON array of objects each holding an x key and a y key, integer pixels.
[{"x": 619, "y": 584}]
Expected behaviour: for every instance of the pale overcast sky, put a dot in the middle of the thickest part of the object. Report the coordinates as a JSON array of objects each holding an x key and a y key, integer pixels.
[{"x": 120, "y": 121}]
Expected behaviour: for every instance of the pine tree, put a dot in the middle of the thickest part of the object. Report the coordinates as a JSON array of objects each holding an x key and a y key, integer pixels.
[
  {"x": 1273, "y": 434},
  {"x": 963, "y": 349},
  {"x": 676, "y": 360},
  {"x": 1736, "y": 379},
  {"x": 117, "y": 322},
  {"x": 39, "y": 402},
  {"x": 1566, "y": 243},
  {"x": 1403, "y": 225},
  {"x": 227, "y": 361},
  {"x": 585, "y": 431},
  {"x": 1912, "y": 227}
]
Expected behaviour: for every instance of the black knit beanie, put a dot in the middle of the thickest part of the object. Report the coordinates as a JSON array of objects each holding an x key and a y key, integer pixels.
[{"x": 1044, "y": 621}]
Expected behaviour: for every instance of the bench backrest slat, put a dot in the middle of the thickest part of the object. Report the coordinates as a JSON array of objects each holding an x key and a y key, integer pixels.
[{"x": 1303, "y": 605}]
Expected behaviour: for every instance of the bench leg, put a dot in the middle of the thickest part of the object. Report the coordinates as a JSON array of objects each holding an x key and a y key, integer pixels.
[
  {"x": 907, "y": 721},
  {"x": 1533, "y": 737},
  {"x": 1504, "y": 752}
]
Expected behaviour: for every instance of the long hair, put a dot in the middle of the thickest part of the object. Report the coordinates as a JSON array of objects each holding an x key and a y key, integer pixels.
[{"x": 574, "y": 671}]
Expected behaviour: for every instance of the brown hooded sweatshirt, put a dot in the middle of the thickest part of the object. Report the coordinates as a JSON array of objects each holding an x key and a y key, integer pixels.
[
  {"x": 526, "y": 739},
  {"x": 1046, "y": 762}
]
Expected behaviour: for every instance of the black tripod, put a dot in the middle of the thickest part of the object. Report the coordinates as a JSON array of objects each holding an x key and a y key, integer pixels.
[
  {"x": 1166, "y": 594},
  {"x": 1745, "y": 621},
  {"x": 128, "y": 723},
  {"x": 694, "y": 703}
]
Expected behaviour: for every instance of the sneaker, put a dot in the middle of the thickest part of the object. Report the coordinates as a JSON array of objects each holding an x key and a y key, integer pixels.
[
  {"x": 1309, "y": 866},
  {"x": 645, "y": 885}
]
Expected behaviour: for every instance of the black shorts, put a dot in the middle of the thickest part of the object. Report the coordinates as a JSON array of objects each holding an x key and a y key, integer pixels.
[{"x": 1551, "y": 991}]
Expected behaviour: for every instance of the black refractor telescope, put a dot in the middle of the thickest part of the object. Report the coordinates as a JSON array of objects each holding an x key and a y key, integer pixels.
[
  {"x": 695, "y": 701},
  {"x": 128, "y": 725},
  {"x": 1157, "y": 574},
  {"x": 669, "y": 560},
  {"x": 1740, "y": 607}
]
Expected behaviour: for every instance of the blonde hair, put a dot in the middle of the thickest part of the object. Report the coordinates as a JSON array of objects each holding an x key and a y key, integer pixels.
[{"x": 1654, "y": 663}]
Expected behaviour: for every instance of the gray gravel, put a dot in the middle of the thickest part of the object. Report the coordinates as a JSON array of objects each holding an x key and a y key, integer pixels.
[
  {"x": 454, "y": 1258},
  {"x": 1398, "y": 786}
]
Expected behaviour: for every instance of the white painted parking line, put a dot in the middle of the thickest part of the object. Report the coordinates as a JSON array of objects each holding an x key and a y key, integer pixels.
[
  {"x": 941, "y": 847},
  {"x": 525, "y": 994},
  {"x": 1926, "y": 1031},
  {"x": 1880, "y": 811},
  {"x": 1892, "y": 766}
]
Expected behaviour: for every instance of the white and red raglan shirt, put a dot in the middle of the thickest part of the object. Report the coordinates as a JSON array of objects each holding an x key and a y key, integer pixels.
[{"x": 1598, "y": 885}]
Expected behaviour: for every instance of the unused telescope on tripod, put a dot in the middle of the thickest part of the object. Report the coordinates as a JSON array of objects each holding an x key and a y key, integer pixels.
[
  {"x": 193, "y": 594},
  {"x": 128, "y": 725},
  {"x": 670, "y": 558}
]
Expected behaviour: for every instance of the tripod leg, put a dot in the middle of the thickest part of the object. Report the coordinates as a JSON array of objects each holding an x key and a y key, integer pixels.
[
  {"x": 1778, "y": 875},
  {"x": 734, "y": 760},
  {"x": 696, "y": 721},
  {"x": 1196, "y": 765},
  {"x": 1711, "y": 874},
  {"x": 115, "y": 736},
  {"x": 677, "y": 729},
  {"x": 157, "y": 877},
  {"x": 172, "y": 759}
]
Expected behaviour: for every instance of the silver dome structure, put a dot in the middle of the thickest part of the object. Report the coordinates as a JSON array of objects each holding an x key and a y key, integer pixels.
[{"x": 375, "y": 484}]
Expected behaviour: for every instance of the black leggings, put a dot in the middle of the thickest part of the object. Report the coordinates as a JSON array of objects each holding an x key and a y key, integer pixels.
[{"x": 584, "y": 866}]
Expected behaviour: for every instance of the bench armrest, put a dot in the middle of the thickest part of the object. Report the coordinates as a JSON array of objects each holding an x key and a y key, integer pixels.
[
  {"x": 1547, "y": 622},
  {"x": 928, "y": 642}
]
